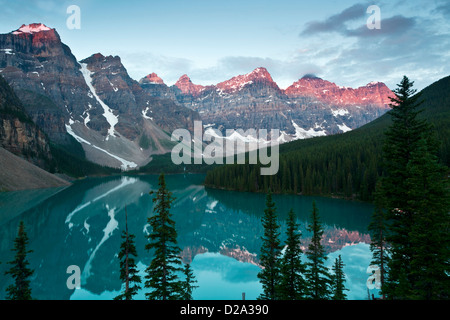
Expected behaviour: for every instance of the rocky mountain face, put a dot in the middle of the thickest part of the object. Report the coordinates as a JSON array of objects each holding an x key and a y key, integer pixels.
[
  {"x": 34, "y": 59},
  {"x": 121, "y": 122},
  {"x": 131, "y": 111},
  {"x": 374, "y": 93},
  {"x": 309, "y": 107},
  {"x": 18, "y": 133},
  {"x": 118, "y": 122}
]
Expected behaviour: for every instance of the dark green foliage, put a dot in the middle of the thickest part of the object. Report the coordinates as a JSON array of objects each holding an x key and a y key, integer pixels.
[
  {"x": 270, "y": 251},
  {"x": 163, "y": 163},
  {"x": 71, "y": 160},
  {"x": 188, "y": 285},
  {"x": 415, "y": 195},
  {"x": 292, "y": 284},
  {"x": 144, "y": 142},
  {"x": 378, "y": 229},
  {"x": 161, "y": 274},
  {"x": 128, "y": 269},
  {"x": 428, "y": 200},
  {"x": 20, "y": 272},
  {"x": 338, "y": 280},
  {"x": 346, "y": 165},
  {"x": 401, "y": 140},
  {"x": 317, "y": 275}
]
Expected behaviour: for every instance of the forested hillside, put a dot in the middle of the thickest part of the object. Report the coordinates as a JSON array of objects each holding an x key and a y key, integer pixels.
[{"x": 346, "y": 165}]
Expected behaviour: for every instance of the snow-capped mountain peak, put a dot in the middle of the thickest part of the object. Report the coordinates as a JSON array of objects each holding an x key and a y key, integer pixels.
[
  {"x": 32, "y": 28},
  {"x": 238, "y": 82},
  {"x": 153, "y": 79}
]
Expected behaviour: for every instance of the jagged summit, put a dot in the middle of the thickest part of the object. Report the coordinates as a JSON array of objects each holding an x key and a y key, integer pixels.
[
  {"x": 152, "y": 78},
  {"x": 236, "y": 83},
  {"x": 374, "y": 83},
  {"x": 260, "y": 72},
  {"x": 32, "y": 28},
  {"x": 311, "y": 86},
  {"x": 186, "y": 86}
]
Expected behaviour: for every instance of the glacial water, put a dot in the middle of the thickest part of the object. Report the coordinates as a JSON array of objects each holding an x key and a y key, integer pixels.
[{"x": 218, "y": 232}]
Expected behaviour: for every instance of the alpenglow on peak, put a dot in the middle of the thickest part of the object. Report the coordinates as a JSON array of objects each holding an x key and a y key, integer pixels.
[{"x": 32, "y": 28}]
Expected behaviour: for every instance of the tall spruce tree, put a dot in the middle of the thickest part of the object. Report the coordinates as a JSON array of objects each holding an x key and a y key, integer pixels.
[
  {"x": 188, "y": 284},
  {"x": 338, "y": 280},
  {"x": 413, "y": 203},
  {"x": 378, "y": 245},
  {"x": 19, "y": 271},
  {"x": 270, "y": 252},
  {"x": 128, "y": 269},
  {"x": 292, "y": 283},
  {"x": 401, "y": 140},
  {"x": 317, "y": 275},
  {"x": 428, "y": 200},
  {"x": 161, "y": 274}
]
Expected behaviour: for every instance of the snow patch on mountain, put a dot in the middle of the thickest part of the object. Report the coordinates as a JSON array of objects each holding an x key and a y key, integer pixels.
[
  {"x": 339, "y": 112},
  {"x": 344, "y": 128},
  {"x": 301, "y": 133},
  {"x": 125, "y": 163},
  {"x": 144, "y": 114},
  {"x": 32, "y": 28},
  {"x": 239, "y": 82},
  {"x": 108, "y": 114}
]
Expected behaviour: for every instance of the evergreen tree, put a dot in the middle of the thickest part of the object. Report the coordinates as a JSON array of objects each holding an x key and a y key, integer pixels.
[
  {"x": 401, "y": 140},
  {"x": 292, "y": 284},
  {"x": 338, "y": 280},
  {"x": 317, "y": 275},
  {"x": 128, "y": 269},
  {"x": 378, "y": 245},
  {"x": 428, "y": 200},
  {"x": 270, "y": 251},
  {"x": 415, "y": 196},
  {"x": 162, "y": 272},
  {"x": 19, "y": 271},
  {"x": 189, "y": 283}
]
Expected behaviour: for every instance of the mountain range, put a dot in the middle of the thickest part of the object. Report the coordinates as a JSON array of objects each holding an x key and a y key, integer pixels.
[
  {"x": 344, "y": 165},
  {"x": 309, "y": 107},
  {"x": 92, "y": 109}
]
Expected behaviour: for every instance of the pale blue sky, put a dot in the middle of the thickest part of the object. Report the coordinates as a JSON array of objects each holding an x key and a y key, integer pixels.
[{"x": 212, "y": 41}]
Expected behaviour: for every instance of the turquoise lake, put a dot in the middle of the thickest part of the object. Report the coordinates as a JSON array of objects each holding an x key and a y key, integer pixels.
[{"x": 219, "y": 233}]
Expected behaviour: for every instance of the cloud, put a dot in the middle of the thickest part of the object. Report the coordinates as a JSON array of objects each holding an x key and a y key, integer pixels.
[
  {"x": 443, "y": 8},
  {"x": 390, "y": 26},
  {"x": 411, "y": 41},
  {"x": 337, "y": 22}
]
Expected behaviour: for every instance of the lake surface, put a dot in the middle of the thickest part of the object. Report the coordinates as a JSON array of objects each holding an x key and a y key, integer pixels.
[{"x": 218, "y": 231}]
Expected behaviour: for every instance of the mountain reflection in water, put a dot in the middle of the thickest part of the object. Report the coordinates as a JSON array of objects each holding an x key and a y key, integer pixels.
[{"x": 219, "y": 233}]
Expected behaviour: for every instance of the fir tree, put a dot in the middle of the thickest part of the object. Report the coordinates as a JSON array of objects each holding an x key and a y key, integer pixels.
[
  {"x": 415, "y": 196},
  {"x": 162, "y": 272},
  {"x": 19, "y": 271},
  {"x": 292, "y": 284},
  {"x": 378, "y": 245},
  {"x": 401, "y": 140},
  {"x": 338, "y": 280},
  {"x": 317, "y": 275},
  {"x": 188, "y": 284},
  {"x": 270, "y": 251},
  {"x": 429, "y": 202},
  {"x": 128, "y": 269}
]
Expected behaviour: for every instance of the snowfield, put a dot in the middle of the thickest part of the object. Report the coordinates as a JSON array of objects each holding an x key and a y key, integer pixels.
[{"x": 108, "y": 114}]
